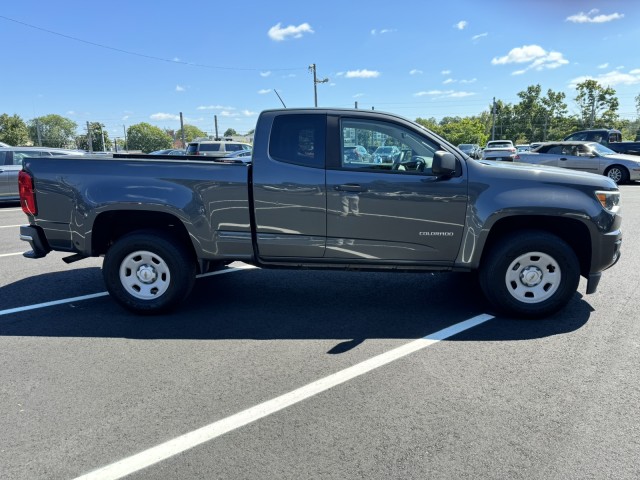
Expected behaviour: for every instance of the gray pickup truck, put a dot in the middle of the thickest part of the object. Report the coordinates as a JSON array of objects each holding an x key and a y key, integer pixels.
[{"x": 529, "y": 231}]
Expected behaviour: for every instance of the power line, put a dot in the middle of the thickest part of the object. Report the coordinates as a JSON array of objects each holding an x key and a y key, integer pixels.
[{"x": 150, "y": 57}]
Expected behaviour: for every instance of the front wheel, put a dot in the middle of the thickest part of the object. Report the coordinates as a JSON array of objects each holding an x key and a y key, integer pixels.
[
  {"x": 530, "y": 274},
  {"x": 618, "y": 174},
  {"x": 148, "y": 272}
]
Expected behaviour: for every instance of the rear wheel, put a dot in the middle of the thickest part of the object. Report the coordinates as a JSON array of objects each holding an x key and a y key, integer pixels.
[
  {"x": 148, "y": 272},
  {"x": 530, "y": 274},
  {"x": 618, "y": 174}
]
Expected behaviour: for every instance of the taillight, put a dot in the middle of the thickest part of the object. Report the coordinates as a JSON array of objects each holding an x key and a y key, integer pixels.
[{"x": 27, "y": 195}]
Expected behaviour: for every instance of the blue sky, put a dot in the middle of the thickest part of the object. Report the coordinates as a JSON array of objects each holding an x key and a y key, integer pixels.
[{"x": 125, "y": 62}]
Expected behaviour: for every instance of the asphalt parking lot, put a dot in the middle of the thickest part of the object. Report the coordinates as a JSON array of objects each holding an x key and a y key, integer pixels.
[{"x": 330, "y": 375}]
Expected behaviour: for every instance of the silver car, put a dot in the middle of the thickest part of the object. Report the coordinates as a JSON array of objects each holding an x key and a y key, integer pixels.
[
  {"x": 587, "y": 157},
  {"x": 11, "y": 163}
]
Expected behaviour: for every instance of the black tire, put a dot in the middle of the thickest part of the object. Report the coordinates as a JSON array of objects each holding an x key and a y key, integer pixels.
[
  {"x": 529, "y": 274},
  {"x": 148, "y": 272},
  {"x": 618, "y": 174}
]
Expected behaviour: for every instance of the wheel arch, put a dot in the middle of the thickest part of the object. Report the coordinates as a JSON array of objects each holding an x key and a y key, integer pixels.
[
  {"x": 110, "y": 226},
  {"x": 575, "y": 233}
]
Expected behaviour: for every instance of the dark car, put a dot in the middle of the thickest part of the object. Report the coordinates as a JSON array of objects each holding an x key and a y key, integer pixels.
[
  {"x": 386, "y": 154},
  {"x": 168, "y": 151},
  {"x": 471, "y": 149}
]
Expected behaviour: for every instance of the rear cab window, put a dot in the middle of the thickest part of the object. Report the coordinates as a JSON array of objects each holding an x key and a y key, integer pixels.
[{"x": 299, "y": 139}]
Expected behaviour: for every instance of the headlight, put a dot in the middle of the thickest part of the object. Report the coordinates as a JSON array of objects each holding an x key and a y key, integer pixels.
[{"x": 610, "y": 200}]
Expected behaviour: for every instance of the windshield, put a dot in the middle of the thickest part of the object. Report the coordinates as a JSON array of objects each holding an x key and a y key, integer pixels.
[{"x": 601, "y": 149}]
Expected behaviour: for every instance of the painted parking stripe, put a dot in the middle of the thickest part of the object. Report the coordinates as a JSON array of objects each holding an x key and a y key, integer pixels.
[
  {"x": 9, "y": 226},
  {"x": 103, "y": 294},
  {"x": 209, "y": 432},
  {"x": 10, "y": 254}
]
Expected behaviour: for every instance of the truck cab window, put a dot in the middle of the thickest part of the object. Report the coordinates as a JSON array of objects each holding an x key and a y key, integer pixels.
[
  {"x": 299, "y": 139},
  {"x": 381, "y": 146}
]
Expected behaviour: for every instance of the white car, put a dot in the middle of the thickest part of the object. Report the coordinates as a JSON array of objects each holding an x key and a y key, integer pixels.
[{"x": 499, "y": 150}]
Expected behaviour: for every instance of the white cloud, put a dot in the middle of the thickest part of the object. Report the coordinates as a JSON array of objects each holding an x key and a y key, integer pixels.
[
  {"x": 214, "y": 107},
  {"x": 479, "y": 36},
  {"x": 362, "y": 74},
  {"x": 264, "y": 90},
  {"x": 611, "y": 79},
  {"x": 179, "y": 88},
  {"x": 604, "y": 65},
  {"x": 443, "y": 94},
  {"x": 249, "y": 113},
  {"x": 126, "y": 117},
  {"x": 71, "y": 112},
  {"x": 445, "y": 72},
  {"x": 461, "y": 25},
  {"x": 265, "y": 74},
  {"x": 593, "y": 17},
  {"x": 415, "y": 71},
  {"x": 383, "y": 31},
  {"x": 164, "y": 116},
  {"x": 448, "y": 81},
  {"x": 536, "y": 56},
  {"x": 279, "y": 34},
  {"x": 473, "y": 80},
  {"x": 358, "y": 95}
]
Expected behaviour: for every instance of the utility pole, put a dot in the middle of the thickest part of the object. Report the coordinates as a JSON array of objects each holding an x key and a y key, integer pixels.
[
  {"x": 182, "y": 130},
  {"x": 89, "y": 137},
  {"x": 493, "y": 128},
  {"x": 125, "y": 137},
  {"x": 102, "y": 135},
  {"x": 38, "y": 133},
  {"x": 312, "y": 68},
  {"x": 215, "y": 125},
  {"x": 593, "y": 112},
  {"x": 356, "y": 105}
]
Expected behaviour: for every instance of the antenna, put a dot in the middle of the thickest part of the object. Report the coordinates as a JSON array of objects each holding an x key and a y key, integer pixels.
[{"x": 280, "y": 98}]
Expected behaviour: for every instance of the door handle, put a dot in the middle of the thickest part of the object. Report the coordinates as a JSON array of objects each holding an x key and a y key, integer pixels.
[
  {"x": 563, "y": 159},
  {"x": 350, "y": 187}
]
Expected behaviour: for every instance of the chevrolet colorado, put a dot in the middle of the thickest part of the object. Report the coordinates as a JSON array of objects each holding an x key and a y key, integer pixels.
[{"x": 529, "y": 231}]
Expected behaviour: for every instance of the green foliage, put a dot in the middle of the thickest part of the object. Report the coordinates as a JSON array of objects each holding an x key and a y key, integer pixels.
[
  {"x": 190, "y": 132},
  {"x": 97, "y": 130},
  {"x": 230, "y": 132},
  {"x": 13, "y": 130},
  {"x": 55, "y": 131},
  {"x": 147, "y": 138},
  {"x": 598, "y": 105}
]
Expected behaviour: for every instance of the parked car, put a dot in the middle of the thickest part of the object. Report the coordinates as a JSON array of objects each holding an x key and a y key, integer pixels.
[
  {"x": 356, "y": 154},
  {"x": 243, "y": 155},
  {"x": 499, "y": 150},
  {"x": 215, "y": 148},
  {"x": 585, "y": 156},
  {"x": 386, "y": 154},
  {"x": 471, "y": 149},
  {"x": 523, "y": 148},
  {"x": 4, "y": 145},
  {"x": 168, "y": 151},
  {"x": 609, "y": 137},
  {"x": 11, "y": 163}
]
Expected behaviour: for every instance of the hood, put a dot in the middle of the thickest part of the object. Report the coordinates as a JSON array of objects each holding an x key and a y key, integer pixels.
[{"x": 526, "y": 172}]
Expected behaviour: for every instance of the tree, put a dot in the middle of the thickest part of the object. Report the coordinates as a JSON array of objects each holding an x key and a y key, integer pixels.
[
  {"x": 13, "y": 130},
  {"x": 190, "y": 132},
  {"x": 230, "y": 132},
  {"x": 463, "y": 130},
  {"x": 52, "y": 131},
  {"x": 146, "y": 137},
  {"x": 598, "y": 105},
  {"x": 97, "y": 130}
]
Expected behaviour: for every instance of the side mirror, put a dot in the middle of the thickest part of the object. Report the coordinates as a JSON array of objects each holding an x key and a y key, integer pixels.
[{"x": 444, "y": 164}]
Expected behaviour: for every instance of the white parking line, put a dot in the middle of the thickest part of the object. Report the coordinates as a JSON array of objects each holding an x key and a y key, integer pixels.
[
  {"x": 10, "y": 210},
  {"x": 102, "y": 294},
  {"x": 10, "y": 254},
  {"x": 197, "y": 437},
  {"x": 9, "y": 226}
]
